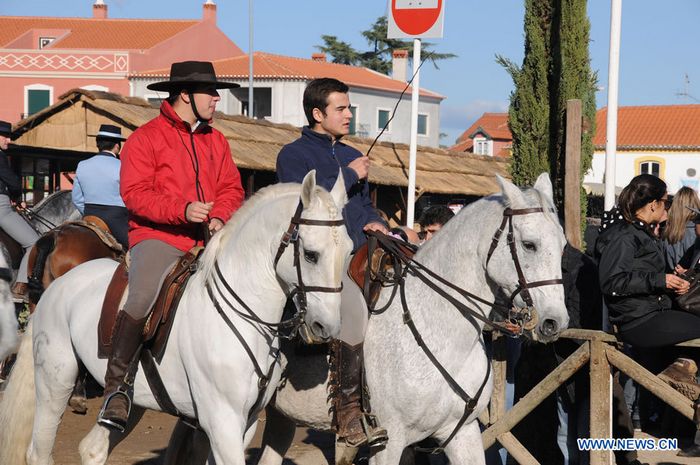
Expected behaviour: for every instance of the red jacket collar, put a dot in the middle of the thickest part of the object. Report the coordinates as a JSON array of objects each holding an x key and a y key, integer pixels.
[{"x": 168, "y": 112}]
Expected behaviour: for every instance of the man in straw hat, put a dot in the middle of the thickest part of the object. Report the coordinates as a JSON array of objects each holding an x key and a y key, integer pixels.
[
  {"x": 96, "y": 184},
  {"x": 10, "y": 221},
  {"x": 179, "y": 184}
]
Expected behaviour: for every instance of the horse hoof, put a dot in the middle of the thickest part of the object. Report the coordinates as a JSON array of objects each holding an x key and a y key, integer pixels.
[{"x": 78, "y": 404}]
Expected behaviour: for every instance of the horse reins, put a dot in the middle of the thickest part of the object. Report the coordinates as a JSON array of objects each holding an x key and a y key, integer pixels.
[
  {"x": 28, "y": 215},
  {"x": 424, "y": 274},
  {"x": 292, "y": 324}
]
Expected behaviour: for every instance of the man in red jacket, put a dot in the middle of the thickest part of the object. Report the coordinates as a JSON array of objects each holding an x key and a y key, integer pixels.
[{"x": 179, "y": 183}]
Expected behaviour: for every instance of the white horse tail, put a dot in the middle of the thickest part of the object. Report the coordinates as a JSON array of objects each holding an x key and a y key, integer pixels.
[{"x": 17, "y": 406}]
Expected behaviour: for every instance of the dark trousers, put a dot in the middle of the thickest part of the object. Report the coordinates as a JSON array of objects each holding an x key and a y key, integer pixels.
[
  {"x": 117, "y": 219},
  {"x": 663, "y": 329}
]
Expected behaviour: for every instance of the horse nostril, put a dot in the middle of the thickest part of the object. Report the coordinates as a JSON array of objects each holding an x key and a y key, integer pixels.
[
  {"x": 550, "y": 327},
  {"x": 319, "y": 330}
]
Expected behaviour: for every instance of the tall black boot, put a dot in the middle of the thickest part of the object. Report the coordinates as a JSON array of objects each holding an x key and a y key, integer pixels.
[
  {"x": 352, "y": 424},
  {"x": 121, "y": 368}
]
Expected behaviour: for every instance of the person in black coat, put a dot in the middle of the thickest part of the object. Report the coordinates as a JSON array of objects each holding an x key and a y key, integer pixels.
[{"x": 10, "y": 221}]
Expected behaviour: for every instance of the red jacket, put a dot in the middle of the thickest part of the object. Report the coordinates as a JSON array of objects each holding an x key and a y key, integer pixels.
[{"x": 160, "y": 161}]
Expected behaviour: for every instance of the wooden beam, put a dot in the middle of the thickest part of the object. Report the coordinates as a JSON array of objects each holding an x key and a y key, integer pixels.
[
  {"x": 498, "y": 396},
  {"x": 517, "y": 450},
  {"x": 572, "y": 177},
  {"x": 601, "y": 397},
  {"x": 537, "y": 394},
  {"x": 652, "y": 383}
]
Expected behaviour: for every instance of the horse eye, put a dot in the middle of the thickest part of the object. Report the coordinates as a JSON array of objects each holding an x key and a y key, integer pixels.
[
  {"x": 311, "y": 256},
  {"x": 530, "y": 246}
]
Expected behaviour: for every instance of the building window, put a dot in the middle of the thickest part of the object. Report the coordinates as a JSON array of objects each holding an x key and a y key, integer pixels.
[
  {"x": 482, "y": 146},
  {"x": 650, "y": 167},
  {"x": 383, "y": 119},
  {"x": 353, "y": 121},
  {"x": 422, "y": 125},
  {"x": 45, "y": 41},
  {"x": 36, "y": 98}
]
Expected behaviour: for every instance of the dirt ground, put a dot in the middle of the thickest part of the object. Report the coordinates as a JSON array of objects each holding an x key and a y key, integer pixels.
[{"x": 147, "y": 443}]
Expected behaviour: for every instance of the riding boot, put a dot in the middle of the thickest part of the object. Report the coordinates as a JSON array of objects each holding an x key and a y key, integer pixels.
[
  {"x": 121, "y": 368},
  {"x": 352, "y": 425}
]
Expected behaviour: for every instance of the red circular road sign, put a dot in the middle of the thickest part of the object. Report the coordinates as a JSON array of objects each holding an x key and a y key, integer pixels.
[{"x": 415, "y": 21}]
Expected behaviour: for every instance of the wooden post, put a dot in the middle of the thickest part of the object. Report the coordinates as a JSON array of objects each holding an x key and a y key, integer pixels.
[
  {"x": 498, "y": 397},
  {"x": 572, "y": 179},
  {"x": 601, "y": 396}
]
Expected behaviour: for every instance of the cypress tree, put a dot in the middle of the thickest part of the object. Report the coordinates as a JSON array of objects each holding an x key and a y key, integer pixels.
[{"x": 528, "y": 115}]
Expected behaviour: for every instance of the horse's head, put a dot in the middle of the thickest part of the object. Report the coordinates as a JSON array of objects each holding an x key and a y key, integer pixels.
[
  {"x": 526, "y": 260},
  {"x": 313, "y": 264},
  {"x": 8, "y": 322}
]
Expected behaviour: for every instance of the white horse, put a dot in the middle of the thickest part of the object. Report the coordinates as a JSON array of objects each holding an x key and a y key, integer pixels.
[
  {"x": 8, "y": 322},
  {"x": 409, "y": 396},
  {"x": 208, "y": 374}
]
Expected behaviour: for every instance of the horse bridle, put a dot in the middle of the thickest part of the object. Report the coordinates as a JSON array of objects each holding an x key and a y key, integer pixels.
[
  {"x": 292, "y": 236},
  {"x": 525, "y": 314},
  {"x": 285, "y": 328}
]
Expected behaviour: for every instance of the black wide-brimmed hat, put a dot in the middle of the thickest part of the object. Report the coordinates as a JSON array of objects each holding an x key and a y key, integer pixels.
[
  {"x": 110, "y": 132},
  {"x": 6, "y": 129},
  {"x": 188, "y": 74}
]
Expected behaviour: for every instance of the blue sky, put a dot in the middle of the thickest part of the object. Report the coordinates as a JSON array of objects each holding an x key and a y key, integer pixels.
[{"x": 660, "y": 42}]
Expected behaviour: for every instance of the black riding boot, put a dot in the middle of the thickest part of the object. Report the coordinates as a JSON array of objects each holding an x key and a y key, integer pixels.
[
  {"x": 121, "y": 368},
  {"x": 352, "y": 424}
]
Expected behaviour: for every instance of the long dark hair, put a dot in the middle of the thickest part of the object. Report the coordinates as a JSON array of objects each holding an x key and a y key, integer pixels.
[{"x": 640, "y": 191}]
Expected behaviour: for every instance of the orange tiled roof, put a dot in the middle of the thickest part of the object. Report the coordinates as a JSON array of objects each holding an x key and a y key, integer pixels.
[
  {"x": 493, "y": 124},
  {"x": 269, "y": 66},
  {"x": 89, "y": 33},
  {"x": 669, "y": 127}
]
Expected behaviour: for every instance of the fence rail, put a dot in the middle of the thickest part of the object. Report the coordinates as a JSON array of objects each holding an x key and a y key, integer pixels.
[{"x": 600, "y": 351}]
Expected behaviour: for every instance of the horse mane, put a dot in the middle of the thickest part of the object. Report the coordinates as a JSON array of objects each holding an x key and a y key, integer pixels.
[
  {"x": 58, "y": 195},
  {"x": 240, "y": 217}
]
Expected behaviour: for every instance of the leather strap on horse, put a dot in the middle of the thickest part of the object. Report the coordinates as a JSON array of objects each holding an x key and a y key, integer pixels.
[{"x": 6, "y": 275}]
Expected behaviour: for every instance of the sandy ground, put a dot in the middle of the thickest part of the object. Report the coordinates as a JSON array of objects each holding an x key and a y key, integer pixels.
[{"x": 146, "y": 444}]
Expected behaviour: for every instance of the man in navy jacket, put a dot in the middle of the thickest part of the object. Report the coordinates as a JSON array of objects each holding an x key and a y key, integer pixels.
[{"x": 327, "y": 108}]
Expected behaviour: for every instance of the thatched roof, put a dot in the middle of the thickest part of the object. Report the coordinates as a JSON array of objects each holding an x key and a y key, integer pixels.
[{"x": 72, "y": 122}]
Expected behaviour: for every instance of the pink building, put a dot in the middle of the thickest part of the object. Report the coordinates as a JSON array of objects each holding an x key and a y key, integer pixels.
[{"x": 41, "y": 58}]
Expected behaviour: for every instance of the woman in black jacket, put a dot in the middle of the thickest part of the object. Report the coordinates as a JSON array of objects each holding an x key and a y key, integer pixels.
[
  {"x": 632, "y": 274},
  {"x": 635, "y": 285}
]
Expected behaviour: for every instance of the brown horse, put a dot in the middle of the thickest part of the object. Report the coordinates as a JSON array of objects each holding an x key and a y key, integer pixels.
[{"x": 65, "y": 247}]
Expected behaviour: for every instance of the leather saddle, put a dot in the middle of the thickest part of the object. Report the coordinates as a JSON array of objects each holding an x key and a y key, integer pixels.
[
  {"x": 160, "y": 320},
  {"x": 372, "y": 265},
  {"x": 101, "y": 230}
]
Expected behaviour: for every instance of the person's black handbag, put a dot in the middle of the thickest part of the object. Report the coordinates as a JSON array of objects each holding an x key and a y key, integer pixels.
[{"x": 690, "y": 301}]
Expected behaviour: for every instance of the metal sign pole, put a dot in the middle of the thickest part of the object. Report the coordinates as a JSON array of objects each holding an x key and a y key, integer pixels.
[
  {"x": 251, "y": 112},
  {"x": 411, "y": 200},
  {"x": 613, "y": 83}
]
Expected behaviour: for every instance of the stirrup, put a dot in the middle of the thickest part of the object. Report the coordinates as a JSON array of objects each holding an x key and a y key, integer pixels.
[
  {"x": 110, "y": 423},
  {"x": 376, "y": 435}
]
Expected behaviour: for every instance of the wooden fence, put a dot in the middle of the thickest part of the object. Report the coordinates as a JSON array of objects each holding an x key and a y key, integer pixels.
[{"x": 600, "y": 350}]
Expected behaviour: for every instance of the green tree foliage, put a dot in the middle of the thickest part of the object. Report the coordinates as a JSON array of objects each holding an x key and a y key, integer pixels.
[
  {"x": 556, "y": 68},
  {"x": 378, "y": 57}
]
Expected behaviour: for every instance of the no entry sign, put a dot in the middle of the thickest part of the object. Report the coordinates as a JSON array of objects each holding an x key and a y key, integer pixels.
[{"x": 416, "y": 19}]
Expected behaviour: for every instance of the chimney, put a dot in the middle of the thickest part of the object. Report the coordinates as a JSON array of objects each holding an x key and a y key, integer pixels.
[
  {"x": 399, "y": 65},
  {"x": 318, "y": 57},
  {"x": 99, "y": 10},
  {"x": 209, "y": 11}
]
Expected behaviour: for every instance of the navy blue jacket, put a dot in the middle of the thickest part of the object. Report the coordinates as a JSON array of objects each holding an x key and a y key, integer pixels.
[{"x": 314, "y": 151}]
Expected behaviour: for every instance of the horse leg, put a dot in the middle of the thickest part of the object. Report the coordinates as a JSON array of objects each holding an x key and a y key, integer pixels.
[
  {"x": 225, "y": 428},
  {"x": 277, "y": 437},
  {"x": 101, "y": 441},
  {"x": 55, "y": 370},
  {"x": 78, "y": 398},
  {"x": 187, "y": 446},
  {"x": 466, "y": 447}
]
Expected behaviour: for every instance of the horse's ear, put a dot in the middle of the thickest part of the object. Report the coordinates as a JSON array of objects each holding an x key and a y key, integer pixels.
[
  {"x": 308, "y": 185},
  {"x": 338, "y": 193},
  {"x": 544, "y": 185},
  {"x": 512, "y": 195}
]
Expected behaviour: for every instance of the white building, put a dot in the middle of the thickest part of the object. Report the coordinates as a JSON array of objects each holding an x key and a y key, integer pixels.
[
  {"x": 661, "y": 140},
  {"x": 279, "y": 87}
]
